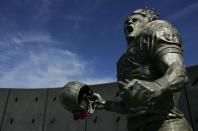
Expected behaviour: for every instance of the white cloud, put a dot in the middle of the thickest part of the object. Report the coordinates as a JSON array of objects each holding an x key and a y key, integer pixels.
[
  {"x": 31, "y": 37},
  {"x": 46, "y": 67},
  {"x": 183, "y": 12}
]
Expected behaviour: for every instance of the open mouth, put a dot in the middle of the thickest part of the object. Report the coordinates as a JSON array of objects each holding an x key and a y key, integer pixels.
[{"x": 129, "y": 29}]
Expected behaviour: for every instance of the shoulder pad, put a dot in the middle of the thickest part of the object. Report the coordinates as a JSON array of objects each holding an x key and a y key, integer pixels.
[{"x": 163, "y": 31}]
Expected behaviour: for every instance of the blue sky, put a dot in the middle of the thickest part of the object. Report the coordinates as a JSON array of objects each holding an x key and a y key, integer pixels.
[{"x": 46, "y": 43}]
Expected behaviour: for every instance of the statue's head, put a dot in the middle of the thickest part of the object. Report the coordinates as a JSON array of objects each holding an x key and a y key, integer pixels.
[{"x": 136, "y": 21}]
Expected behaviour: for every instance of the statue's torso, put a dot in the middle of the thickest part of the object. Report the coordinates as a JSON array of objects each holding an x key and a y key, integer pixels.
[{"x": 138, "y": 63}]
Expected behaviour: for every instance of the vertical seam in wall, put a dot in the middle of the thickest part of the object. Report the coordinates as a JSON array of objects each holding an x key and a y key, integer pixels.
[
  {"x": 45, "y": 109},
  {"x": 86, "y": 120},
  {"x": 5, "y": 108}
]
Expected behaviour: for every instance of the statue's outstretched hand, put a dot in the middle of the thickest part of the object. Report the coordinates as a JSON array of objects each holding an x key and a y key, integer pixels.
[
  {"x": 94, "y": 101},
  {"x": 99, "y": 102}
]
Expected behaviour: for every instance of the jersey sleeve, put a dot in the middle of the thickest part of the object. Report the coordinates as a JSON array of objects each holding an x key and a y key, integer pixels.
[
  {"x": 161, "y": 38},
  {"x": 167, "y": 40}
]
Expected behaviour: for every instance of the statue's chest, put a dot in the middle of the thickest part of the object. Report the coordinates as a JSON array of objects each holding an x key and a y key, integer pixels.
[
  {"x": 128, "y": 63},
  {"x": 135, "y": 63},
  {"x": 134, "y": 57}
]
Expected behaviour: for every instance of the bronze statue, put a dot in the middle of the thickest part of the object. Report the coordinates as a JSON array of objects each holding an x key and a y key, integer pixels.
[{"x": 150, "y": 74}]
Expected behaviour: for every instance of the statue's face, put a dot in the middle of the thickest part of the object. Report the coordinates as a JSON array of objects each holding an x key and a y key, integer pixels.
[{"x": 133, "y": 26}]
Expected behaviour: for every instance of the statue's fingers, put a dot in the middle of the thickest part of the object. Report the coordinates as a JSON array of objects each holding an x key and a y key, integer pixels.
[
  {"x": 127, "y": 80},
  {"x": 96, "y": 95},
  {"x": 132, "y": 83}
]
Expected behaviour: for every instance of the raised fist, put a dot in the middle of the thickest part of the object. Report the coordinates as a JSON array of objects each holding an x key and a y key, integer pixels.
[{"x": 140, "y": 92}]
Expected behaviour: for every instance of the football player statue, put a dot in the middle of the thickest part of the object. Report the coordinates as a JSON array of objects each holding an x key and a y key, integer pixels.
[{"x": 150, "y": 75}]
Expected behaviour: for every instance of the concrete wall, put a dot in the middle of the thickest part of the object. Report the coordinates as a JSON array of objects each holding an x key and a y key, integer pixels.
[
  {"x": 190, "y": 97},
  {"x": 35, "y": 110},
  {"x": 40, "y": 109}
]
